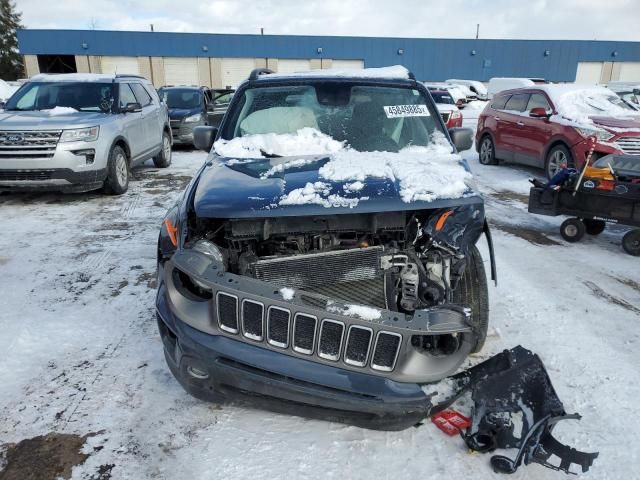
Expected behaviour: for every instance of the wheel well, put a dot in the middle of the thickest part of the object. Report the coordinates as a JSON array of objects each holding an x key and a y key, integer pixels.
[
  {"x": 555, "y": 144},
  {"x": 121, "y": 143}
]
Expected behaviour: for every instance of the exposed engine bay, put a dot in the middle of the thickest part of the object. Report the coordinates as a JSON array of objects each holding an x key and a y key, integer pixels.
[{"x": 400, "y": 261}]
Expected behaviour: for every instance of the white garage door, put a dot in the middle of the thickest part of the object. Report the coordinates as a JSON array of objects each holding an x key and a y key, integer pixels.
[
  {"x": 236, "y": 70},
  {"x": 291, "y": 66},
  {"x": 589, "y": 72},
  {"x": 630, "y": 71},
  {"x": 348, "y": 64},
  {"x": 123, "y": 65},
  {"x": 180, "y": 71}
]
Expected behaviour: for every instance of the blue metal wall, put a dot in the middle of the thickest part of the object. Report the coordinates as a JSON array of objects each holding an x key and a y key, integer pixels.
[{"x": 429, "y": 59}]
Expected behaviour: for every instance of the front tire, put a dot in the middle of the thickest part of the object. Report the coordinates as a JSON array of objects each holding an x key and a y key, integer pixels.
[
  {"x": 487, "y": 155},
  {"x": 163, "y": 158},
  {"x": 559, "y": 157},
  {"x": 572, "y": 230},
  {"x": 472, "y": 291},
  {"x": 631, "y": 242},
  {"x": 117, "y": 181}
]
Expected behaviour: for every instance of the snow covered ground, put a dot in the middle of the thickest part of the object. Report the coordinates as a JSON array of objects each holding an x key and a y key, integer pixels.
[{"x": 79, "y": 351}]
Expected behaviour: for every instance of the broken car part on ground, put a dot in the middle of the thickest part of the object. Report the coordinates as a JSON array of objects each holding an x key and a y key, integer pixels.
[{"x": 325, "y": 264}]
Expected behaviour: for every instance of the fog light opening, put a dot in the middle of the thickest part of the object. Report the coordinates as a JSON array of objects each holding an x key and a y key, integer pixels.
[
  {"x": 437, "y": 345},
  {"x": 197, "y": 373}
]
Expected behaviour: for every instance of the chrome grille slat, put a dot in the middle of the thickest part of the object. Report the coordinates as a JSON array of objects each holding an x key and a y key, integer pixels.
[
  {"x": 629, "y": 145},
  {"x": 330, "y": 341},
  {"x": 356, "y": 351},
  {"x": 385, "y": 352},
  {"x": 29, "y": 143},
  {"x": 252, "y": 319},
  {"x": 227, "y": 312},
  {"x": 278, "y": 326},
  {"x": 304, "y": 333}
]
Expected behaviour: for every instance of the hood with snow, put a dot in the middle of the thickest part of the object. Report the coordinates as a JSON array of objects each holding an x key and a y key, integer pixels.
[
  {"x": 317, "y": 175},
  {"x": 55, "y": 118}
]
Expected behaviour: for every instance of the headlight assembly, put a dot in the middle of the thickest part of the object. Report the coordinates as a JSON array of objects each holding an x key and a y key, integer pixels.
[
  {"x": 601, "y": 135},
  {"x": 209, "y": 249},
  {"x": 80, "y": 135},
  {"x": 193, "y": 118}
]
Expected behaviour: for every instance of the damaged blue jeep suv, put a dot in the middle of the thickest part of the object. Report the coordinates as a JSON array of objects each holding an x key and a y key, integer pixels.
[{"x": 322, "y": 262}]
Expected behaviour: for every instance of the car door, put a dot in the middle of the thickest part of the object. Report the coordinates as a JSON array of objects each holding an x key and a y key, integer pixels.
[
  {"x": 133, "y": 126},
  {"x": 536, "y": 131},
  {"x": 512, "y": 123},
  {"x": 494, "y": 123},
  {"x": 150, "y": 118}
]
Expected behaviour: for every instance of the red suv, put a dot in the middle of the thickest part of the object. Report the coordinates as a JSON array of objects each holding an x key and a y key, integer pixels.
[{"x": 548, "y": 126}]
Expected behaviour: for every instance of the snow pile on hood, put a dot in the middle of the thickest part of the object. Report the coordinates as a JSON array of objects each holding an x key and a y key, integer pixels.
[
  {"x": 55, "y": 111},
  {"x": 281, "y": 167},
  {"x": 305, "y": 141},
  {"x": 423, "y": 173},
  {"x": 318, "y": 193},
  {"x": 394, "y": 71},
  {"x": 357, "y": 311},
  {"x": 580, "y": 104},
  {"x": 5, "y": 90}
]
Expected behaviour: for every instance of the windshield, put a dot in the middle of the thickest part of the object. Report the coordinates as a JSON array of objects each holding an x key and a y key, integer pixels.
[
  {"x": 186, "y": 98},
  {"x": 81, "y": 96},
  {"x": 365, "y": 118},
  {"x": 443, "y": 97},
  {"x": 592, "y": 103}
]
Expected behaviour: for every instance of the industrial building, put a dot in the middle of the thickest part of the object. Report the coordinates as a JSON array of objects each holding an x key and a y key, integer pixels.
[{"x": 219, "y": 60}]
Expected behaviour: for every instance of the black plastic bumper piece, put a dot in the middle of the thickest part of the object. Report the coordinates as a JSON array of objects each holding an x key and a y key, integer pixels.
[{"x": 45, "y": 180}]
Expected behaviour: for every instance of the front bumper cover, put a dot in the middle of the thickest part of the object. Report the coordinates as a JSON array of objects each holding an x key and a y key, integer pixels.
[{"x": 51, "y": 179}]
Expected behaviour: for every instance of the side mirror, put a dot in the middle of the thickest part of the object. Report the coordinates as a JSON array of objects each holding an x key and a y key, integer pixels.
[
  {"x": 132, "y": 108},
  {"x": 211, "y": 107},
  {"x": 462, "y": 138},
  {"x": 538, "y": 112},
  {"x": 203, "y": 137}
]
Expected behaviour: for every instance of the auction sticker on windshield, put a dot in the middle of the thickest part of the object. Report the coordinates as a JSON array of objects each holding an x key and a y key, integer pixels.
[{"x": 395, "y": 111}]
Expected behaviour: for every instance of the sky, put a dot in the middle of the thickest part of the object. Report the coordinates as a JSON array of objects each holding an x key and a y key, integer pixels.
[{"x": 532, "y": 19}]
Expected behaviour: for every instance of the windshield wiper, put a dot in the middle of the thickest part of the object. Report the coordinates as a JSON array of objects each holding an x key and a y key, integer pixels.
[{"x": 269, "y": 155}]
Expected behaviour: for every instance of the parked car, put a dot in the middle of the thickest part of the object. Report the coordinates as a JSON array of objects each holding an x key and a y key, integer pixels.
[
  {"x": 628, "y": 91},
  {"x": 80, "y": 132},
  {"x": 450, "y": 113},
  {"x": 299, "y": 273},
  {"x": 191, "y": 106},
  {"x": 499, "y": 84},
  {"x": 548, "y": 126},
  {"x": 469, "y": 94},
  {"x": 475, "y": 86},
  {"x": 458, "y": 95},
  {"x": 6, "y": 90}
]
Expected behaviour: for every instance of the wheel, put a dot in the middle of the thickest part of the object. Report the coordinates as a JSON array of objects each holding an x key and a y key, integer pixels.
[
  {"x": 163, "y": 158},
  {"x": 487, "y": 151},
  {"x": 631, "y": 242},
  {"x": 472, "y": 291},
  {"x": 594, "y": 227},
  {"x": 572, "y": 230},
  {"x": 117, "y": 181},
  {"x": 559, "y": 157}
]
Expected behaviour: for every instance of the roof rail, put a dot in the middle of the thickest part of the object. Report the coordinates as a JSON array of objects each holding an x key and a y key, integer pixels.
[
  {"x": 125, "y": 75},
  {"x": 256, "y": 72},
  {"x": 411, "y": 75}
]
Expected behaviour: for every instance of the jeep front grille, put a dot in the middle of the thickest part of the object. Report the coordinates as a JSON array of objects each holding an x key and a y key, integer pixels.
[
  {"x": 325, "y": 339},
  {"x": 28, "y": 144},
  {"x": 629, "y": 145}
]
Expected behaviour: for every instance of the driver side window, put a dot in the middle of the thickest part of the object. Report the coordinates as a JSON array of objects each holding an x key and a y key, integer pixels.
[
  {"x": 126, "y": 95},
  {"x": 537, "y": 100}
]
